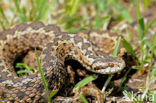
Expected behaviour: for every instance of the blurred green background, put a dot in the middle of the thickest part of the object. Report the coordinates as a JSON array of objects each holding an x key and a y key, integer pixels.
[{"x": 71, "y": 15}]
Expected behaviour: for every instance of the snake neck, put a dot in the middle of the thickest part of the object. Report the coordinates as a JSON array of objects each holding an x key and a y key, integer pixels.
[{"x": 73, "y": 47}]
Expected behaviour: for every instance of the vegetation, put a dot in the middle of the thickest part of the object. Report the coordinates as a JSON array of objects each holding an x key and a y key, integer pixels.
[{"x": 114, "y": 15}]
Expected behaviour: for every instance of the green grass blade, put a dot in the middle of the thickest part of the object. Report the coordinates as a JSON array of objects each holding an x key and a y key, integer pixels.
[
  {"x": 146, "y": 3},
  {"x": 43, "y": 8},
  {"x": 20, "y": 12},
  {"x": 124, "y": 77},
  {"x": 141, "y": 28},
  {"x": 152, "y": 54},
  {"x": 153, "y": 46},
  {"x": 72, "y": 7},
  {"x": 53, "y": 93},
  {"x": 128, "y": 47},
  {"x": 148, "y": 79},
  {"x": 138, "y": 10},
  {"x": 150, "y": 24},
  {"x": 75, "y": 5},
  {"x": 73, "y": 30},
  {"x": 100, "y": 21},
  {"x": 38, "y": 2},
  {"x": 3, "y": 15},
  {"x": 124, "y": 13},
  {"x": 22, "y": 65},
  {"x": 116, "y": 47},
  {"x": 141, "y": 24},
  {"x": 153, "y": 74},
  {"x": 84, "y": 81},
  {"x": 107, "y": 82},
  {"x": 2, "y": 25},
  {"x": 23, "y": 72},
  {"x": 42, "y": 76},
  {"x": 84, "y": 100},
  {"x": 154, "y": 97}
]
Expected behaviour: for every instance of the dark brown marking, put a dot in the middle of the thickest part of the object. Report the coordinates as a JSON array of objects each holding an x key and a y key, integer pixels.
[
  {"x": 35, "y": 34},
  {"x": 56, "y": 39},
  {"x": 92, "y": 56},
  {"x": 85, "y": 45},
  {"x": 88, "y": 53},
  {"x": 21, "y": 27},
  {"x": 46, "y": 36},
  {"x": 15, "y": 38},
  {"x": 78, "y": 39},
  {"x": 36, "y": 25},
  {"x": 65, "y": 36},
  {"x": 52, "y": 27},
  {"x": 32, "y": 40},
  {"x": 76, "y": 52}
]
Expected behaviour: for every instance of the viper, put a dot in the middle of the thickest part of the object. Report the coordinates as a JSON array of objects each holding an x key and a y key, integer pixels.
[{"x": 57, "y": 47}]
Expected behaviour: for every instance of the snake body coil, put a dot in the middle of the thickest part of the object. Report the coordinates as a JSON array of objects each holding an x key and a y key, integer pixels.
[{"x": 57, "y": 47}]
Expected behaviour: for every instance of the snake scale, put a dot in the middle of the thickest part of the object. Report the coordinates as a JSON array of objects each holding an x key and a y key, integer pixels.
[{"x": 57, "y": 47}]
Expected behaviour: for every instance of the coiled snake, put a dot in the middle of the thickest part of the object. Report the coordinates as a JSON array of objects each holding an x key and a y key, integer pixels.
[{"x": 57, "y": 47}]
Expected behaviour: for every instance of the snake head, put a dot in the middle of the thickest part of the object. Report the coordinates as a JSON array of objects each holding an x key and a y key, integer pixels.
[{"x": 108, "y": 65}]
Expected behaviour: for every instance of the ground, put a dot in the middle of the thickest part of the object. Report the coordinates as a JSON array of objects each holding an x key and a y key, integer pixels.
[{"x": 135, "y": 20}]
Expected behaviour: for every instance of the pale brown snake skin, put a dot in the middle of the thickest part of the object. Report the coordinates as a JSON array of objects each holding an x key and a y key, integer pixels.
[{"x": 57, "y": 48}]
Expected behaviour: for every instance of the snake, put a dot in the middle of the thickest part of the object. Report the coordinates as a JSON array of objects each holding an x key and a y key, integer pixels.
[{"x": 57, "y": 47}]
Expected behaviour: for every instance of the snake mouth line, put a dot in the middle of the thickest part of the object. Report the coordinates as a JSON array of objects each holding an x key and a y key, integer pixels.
[{"x": 108, "y": 68}]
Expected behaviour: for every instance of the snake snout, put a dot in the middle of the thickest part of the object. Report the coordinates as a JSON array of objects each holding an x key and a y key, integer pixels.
[{"x": 108, "y": 65}]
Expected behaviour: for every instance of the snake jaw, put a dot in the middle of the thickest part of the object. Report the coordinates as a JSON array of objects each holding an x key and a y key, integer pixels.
[{"x": 108, "y": 67}]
